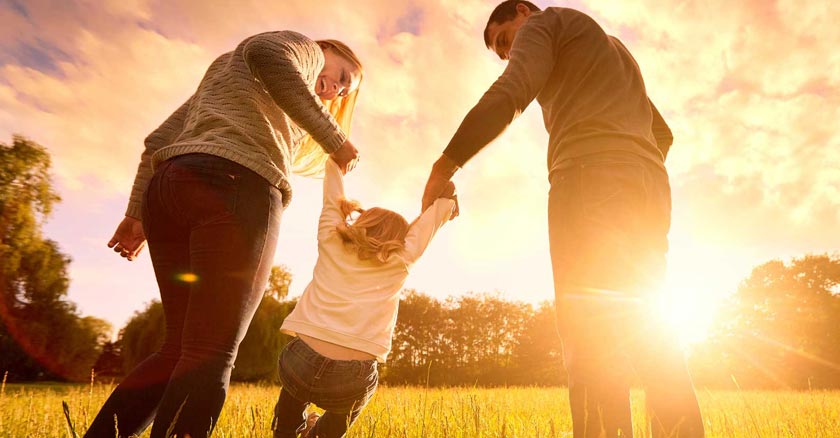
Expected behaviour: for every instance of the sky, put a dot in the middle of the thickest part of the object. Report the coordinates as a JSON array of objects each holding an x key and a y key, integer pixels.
[{"x": 751, "y": 90}]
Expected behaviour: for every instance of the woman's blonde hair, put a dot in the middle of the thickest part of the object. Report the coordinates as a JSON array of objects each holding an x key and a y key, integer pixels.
[
  {"x": 375, "y": 234},
  {"x": 310, "y": 157}
]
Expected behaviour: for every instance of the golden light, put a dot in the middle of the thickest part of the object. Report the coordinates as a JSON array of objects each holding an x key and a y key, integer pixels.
[
  {"x": 701, "y": 274},
  {"x": 689, "y": 310},
  {"x": 187, "y": 277}
]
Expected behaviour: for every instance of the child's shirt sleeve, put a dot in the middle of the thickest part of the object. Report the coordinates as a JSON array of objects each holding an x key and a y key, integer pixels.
[
  {"x": 333, "y": 192},
  {"x": 422, "y": 231}
]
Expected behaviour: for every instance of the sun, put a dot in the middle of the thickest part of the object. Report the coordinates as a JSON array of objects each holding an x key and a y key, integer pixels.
[
  {"x": 688, "y": 310},
  {"x": 698, "y": 282}
]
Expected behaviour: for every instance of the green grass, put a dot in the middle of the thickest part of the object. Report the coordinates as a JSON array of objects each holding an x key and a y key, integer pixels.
[{"x": 35, "y": 410}]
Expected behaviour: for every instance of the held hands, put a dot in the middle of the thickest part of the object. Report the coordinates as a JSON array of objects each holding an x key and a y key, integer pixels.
[
  {"x": 347, "y": 157},
  {"x": 440, "y": 185},
  {"x": 129, "y": 238},
  {"x": 449, "y": 192}
]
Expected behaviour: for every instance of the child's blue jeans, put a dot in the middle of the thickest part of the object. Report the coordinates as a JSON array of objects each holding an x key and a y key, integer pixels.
[{"x": 341, "y": 387}]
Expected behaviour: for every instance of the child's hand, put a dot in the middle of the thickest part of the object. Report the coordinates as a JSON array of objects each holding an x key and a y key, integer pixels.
[{"x": 450, "y": 193}]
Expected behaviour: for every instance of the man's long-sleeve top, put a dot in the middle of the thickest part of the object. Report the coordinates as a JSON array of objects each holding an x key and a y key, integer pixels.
[{"x": 590, "y": 88}]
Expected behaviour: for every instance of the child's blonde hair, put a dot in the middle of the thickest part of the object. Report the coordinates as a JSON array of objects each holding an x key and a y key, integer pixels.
[
  {"x": 310, "y": 157},
  {"x": 375, "y": 235}
]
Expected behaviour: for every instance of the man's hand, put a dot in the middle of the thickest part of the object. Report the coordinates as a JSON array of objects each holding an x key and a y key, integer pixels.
[
  {"x": 439, "y": 181},
  {"x": 449, "y": 192},
  {"x": 347, "y": 157},
  {"x": 129, "y": 238}
]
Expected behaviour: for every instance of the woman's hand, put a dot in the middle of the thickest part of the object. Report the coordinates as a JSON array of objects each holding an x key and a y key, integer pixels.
[
  {"x": 129, "y": 238},
  {"x": 347, "y": 157}
]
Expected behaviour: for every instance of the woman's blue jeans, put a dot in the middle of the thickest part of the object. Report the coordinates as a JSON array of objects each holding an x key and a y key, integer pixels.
[{"x": 211, "y": 227}]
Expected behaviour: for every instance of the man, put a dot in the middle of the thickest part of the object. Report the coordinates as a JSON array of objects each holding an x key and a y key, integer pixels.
[{"x": 609, "y": 209}]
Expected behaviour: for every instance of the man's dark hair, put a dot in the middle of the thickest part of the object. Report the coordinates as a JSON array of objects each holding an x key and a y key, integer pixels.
[{"x": 506, "y": 11}]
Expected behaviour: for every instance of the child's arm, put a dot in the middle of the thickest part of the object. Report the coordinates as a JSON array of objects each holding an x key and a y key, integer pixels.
[
  {"x": 423, "y": 229},
  {"x": 331, "y": 214}
]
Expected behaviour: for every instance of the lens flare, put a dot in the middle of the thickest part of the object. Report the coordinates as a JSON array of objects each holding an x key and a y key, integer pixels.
[
  {"x": 688, "y": 311},
  {"x": 187, "y": 277}
]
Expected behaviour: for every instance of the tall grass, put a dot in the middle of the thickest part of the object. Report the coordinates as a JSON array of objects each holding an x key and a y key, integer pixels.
[{"x": 35, "y": 410}]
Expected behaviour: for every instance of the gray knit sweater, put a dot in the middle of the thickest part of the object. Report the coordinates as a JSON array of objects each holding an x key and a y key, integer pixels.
[{"x": 254, "y": 106}]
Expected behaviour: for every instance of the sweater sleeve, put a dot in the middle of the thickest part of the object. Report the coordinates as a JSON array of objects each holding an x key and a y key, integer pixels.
[
  {"x": 164, "y": 135},
  {"x": 333, "y": 192},
  {"x": 661, "y": 131},
  {"x": 275, "y": 62},
  {"x": 530, "y": 65},
  {"x": 423, "y": 229}
]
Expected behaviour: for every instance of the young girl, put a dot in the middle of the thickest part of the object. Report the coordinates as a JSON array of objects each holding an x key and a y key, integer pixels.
[{"x": 345, "y": 319}]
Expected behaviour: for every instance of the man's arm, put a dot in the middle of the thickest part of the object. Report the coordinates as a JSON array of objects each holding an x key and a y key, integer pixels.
[
  {"x": 530, "y": 65},
  {"x": 661, "y": 131}
]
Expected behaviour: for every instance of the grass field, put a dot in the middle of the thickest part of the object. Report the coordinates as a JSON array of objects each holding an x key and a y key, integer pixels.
[{"x": 35, "y": 410}]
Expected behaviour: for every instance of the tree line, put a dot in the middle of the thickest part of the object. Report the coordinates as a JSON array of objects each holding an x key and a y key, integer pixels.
[{"x": 779, "y": 329}]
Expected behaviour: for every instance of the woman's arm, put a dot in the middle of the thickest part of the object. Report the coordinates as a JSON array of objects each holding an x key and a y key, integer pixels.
[
  {"x": 274, "y": 59},
  {"x": 164, "y": 135}
]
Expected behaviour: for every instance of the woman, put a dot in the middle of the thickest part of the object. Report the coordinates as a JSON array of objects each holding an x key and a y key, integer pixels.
[{"x": 209, "y": 193}]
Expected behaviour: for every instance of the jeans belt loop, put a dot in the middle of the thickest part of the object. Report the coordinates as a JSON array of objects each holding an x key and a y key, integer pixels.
[{"x": 323, "y": 367}]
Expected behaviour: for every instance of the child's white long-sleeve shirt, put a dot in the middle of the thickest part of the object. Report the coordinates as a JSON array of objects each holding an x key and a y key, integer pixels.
[{"x": 352, "y": 302}]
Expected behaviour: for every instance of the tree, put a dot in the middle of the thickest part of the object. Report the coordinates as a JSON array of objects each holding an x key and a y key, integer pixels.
[
  {"x": 782, "y": 327},
  {"x": 420, "y": 347},
  {"x": 41, "y": 334},
  {"x": 538, "y": 353},
  {"x": 278, "y": 282},
  {"x": 109, "y": 364},
  {"x": 473, "y": 339},
  {"x": 485, "y": 330},
  {"x": 260, "y": 349},
  {"x": 142, "y": 335},
  {"x": 26, "y": 197}
]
